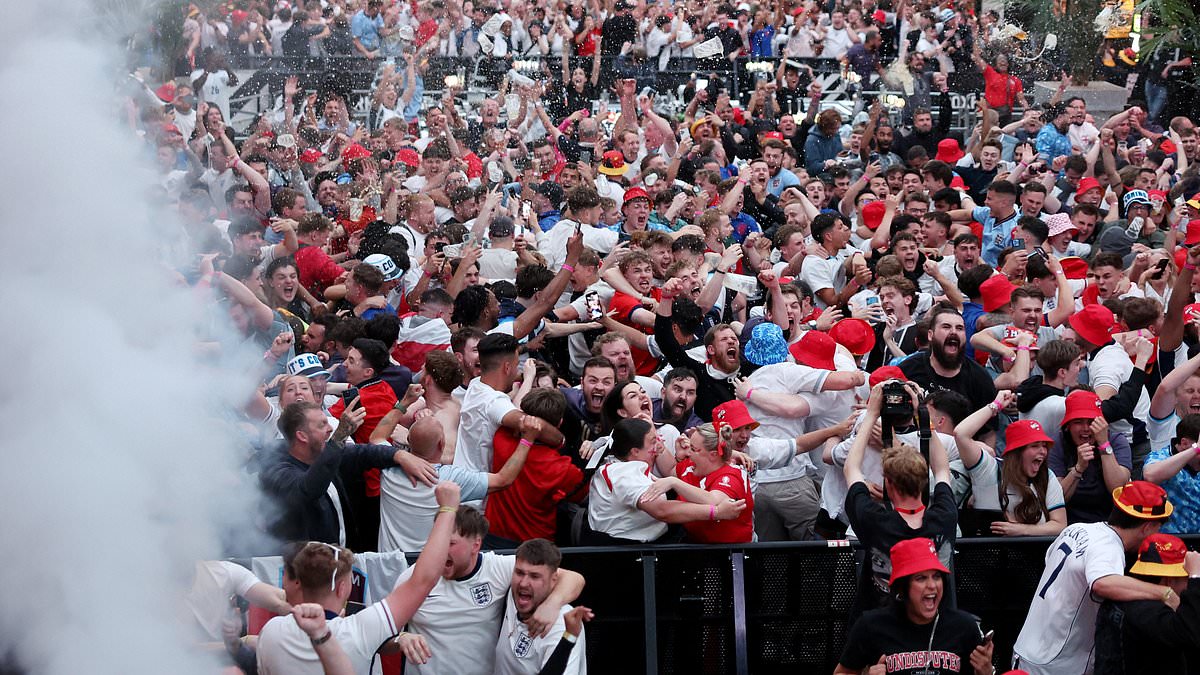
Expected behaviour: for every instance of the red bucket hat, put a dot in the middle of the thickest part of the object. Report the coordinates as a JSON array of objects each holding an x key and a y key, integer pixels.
[
  {"x": 1081, "y": 405},
  {"x": 996, "y": 292},
  {"x": 914, "y": 555},
  {"x": 815, "y": 350},
  {"x": 1094, "y": 323},
  {"x": 732, "y": 414},
  {"x": 1143, "y": 499},
  {"x": 854, "y": 334},
  {"x": 885, "y": 373},
  {"x": 1087, "y": 183},
  {"x": 1074, "y": 268},
  {"x": 1022, "y": 433},
  {"x": 949, "y": 151},
  {"x": 873, "y": 213}
]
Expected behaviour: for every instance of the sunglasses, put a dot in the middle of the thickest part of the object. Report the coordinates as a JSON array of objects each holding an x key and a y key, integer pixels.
[{"x": 337, "y": 552}]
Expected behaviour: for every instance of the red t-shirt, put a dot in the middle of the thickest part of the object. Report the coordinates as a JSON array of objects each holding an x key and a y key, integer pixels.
[
  {"x": 1000, "y": 89},
  {"x": 527, "y": 509},
  {"x": 316, "y": 269},
  {"x": 734, "y": 482},
  {"x": 378, "y": 398},
  {"x": 624, "y": 305}
]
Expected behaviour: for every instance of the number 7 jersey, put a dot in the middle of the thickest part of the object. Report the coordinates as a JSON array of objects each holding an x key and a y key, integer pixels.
[{"x": 1060, "y": 629}]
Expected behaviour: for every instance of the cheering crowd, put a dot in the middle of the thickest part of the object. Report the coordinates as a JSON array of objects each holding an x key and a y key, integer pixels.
[{"x": 570, "y": 315}]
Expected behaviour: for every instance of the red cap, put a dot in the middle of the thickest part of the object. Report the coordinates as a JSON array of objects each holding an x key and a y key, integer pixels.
[
  {"x": 815, "y": 350},
  {"x": 1160, "y": 194},
  {"x": 1081, "y": 405},
  {"x": 1143, "y": 499},
  {"x": 732, "y": 414},
  {"x": 635, "y": 193},
  {"x": 166, "y": 93},
  {"x": 409, "y": 157},
  {"x": 1022, "y": 433},
  {"x": 914, "y": 555},
  {"x": 773, "y": 135},
  {"x": 1161, "y": 555},
  {"x": 1074, "y": 268},
  {"x": 1193, "y": 233},
  {"x": 1087, "y": 183},
  {"x": 873, "y": 212},
  {"x": 1167, "y": 146},
  {"x": 885, "y": 373},
  {"x": 310, "y": 155},
  {"x": 948, "y": 151},
  {"x": 1094, "y": 323},
  {"x": 997, "y": 292},
  {"x": 353, "y": 151},
  {"x": 854, "y": 334}
]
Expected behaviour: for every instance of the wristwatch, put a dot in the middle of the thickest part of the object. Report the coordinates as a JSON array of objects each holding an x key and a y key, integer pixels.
[{"x": 1106, "y": 448}]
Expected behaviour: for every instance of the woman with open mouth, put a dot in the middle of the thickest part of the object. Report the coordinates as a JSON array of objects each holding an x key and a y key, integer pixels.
[
  {"x": 915, "y": 634},
  {"x": 628, "y": 400},
  {"x": 1015, "y": 495},
  {"x": 1090, "y": 461}
]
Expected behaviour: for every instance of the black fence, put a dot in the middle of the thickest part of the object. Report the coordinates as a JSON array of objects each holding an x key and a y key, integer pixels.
[{"x": 769, "y": 608}]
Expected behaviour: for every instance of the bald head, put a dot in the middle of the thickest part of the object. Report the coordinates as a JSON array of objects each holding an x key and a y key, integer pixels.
[{"x": 427, "y": 439}]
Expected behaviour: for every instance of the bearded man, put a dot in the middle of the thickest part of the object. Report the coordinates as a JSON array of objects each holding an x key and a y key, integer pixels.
[{"x": 945, "y": 366}]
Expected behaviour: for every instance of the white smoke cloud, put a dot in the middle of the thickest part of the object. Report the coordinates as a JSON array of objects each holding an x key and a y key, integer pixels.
[{"x": 115, "y": 475}]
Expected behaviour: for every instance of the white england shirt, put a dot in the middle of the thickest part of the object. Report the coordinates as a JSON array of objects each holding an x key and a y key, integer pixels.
[
  {"x": 1060, "y": 629},
  {"x": 517, "y": 653},
  {"x": 461, "y": 618},
  {"x": 284, "y": 649},
  {"x": 613, "y": 502}
]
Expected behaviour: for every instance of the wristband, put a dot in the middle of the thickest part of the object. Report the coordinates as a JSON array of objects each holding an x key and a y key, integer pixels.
[
  {"x": 1023, "y": 348},
  {"x": 569, "y": 638},
  {"x": 401, "y": 407},
  {"x": 427, "y": 273},
  {"x": 1106, "y": 448},
  {"x": 569, "y": 268},
  {"x": 750, "y": 392},
  {"x": 526, "y": 442},
  {"x": 447, "y": 509},
  {"x": 316, "y": 642},
  {"x": 712, "y": 512},
  {"x": 1189, "y": 267}
]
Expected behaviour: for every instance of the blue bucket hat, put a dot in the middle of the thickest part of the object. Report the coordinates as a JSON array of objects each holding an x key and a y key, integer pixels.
[{"x": 767, "y": 345}]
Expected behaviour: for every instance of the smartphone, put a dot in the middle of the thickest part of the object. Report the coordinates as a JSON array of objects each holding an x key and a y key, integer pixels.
[
  {"x": 987, "y": 637},
  {"x": 1160, "y": 269},
  {"x": 348, "y": 397},
  {"x": 872, "y": 300},
  {"x": 1039, "y": 252},
  {"x": 592, "y": 302},
  {"x": 526, "y": 208},
  {"x": 440, "y": 245},
  {"x": 585, "y": 156}
]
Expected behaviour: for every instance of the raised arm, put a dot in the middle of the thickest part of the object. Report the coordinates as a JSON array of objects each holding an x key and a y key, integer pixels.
[
  {"x": 406, "y": 598},
  {"x": 858, "y": 449},
  {"x": 969, "y": 449}
]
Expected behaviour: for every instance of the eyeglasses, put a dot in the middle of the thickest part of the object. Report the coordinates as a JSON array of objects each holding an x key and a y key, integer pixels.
[{"x": 337, "y": 551}]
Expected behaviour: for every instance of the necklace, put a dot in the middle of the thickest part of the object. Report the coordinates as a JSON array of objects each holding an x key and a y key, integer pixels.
[{"x": 910, "y": 512}]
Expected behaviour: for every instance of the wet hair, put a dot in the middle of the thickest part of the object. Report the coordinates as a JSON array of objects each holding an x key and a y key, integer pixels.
[
  {"x": 469, "y": 304},
  {"x": 445, "y": 371}
]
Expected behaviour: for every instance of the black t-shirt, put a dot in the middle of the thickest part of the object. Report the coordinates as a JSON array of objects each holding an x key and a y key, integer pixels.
[
  {"x": 879, "y": 528},
  {"x": 295, "y": 40},
  {"x": 906, "y": 647},
  {"x": 971, "y": 381}
]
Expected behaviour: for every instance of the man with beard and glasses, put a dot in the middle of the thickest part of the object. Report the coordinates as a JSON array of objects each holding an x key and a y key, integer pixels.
[
  {"x": 677, "y": 406},
  {"x": 714, "y": 385},
  {"x": 944, "y": 365}
]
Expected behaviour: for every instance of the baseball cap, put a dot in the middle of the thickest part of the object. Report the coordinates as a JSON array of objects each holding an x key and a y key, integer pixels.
[
  {"x": 307, "y": 365},
  {"x": 385, "y": 265},
  {"x": 1194, "y": 201},
  {"x": 1193, "y": 233},
  {"x": 1143, "y": 499},
  {"x": 501, "y": 227},
  {"x": 310, "y": 156},
  {"x": 1161, "y": 555},
  {"x": 815, "y": 350},
  {"x": 773, "y": 136},
  {"x": 634, "y": 193},
  {"x": 1022, "y": 433},
  {"x": 914, "y": 555},
  {"x": 732, "y": 414}
]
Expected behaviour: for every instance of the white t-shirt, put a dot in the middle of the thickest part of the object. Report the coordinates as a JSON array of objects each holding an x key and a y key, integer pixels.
[
  {"x": 613, "y": 502},
  {"x": 517, "y": 653},
  {"x": 406, "y": 512},
  {"x": 795, "y": 379},
  {"x": 284, "y": 649},
  {"x": 208, "y": 599},
  {"x": 461, "y": 618},
  {"x": 837, "y": 42},
  {"x": 553, "y": 244},
  {"x": 483, "y": 409},
  {"x": 216, "y": 90},
  {"x": 985, "y": 481},
  {"x": 1060, "y": 629},
  {"x": 1111, "y": 367}
]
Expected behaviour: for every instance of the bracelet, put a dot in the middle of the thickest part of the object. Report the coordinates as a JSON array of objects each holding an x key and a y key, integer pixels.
[
  {"x": 526, "y": 442},
  {"x": 317, "y": 642},
  {"x": 1023, "y": 348},
  {"x": 1167, "y": 595},
  {"x": 569, "y": 268},
  {"x": 712, "y": 512},
  {"x": 447, "y": 509},
  {"x": 569, "y": 638},
  {"x": 720, "y": 271},
  {"x": 1106, "y": 448},
  {"x": 1189, "y": 267},
  {"x": 750, "y": 392}
]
